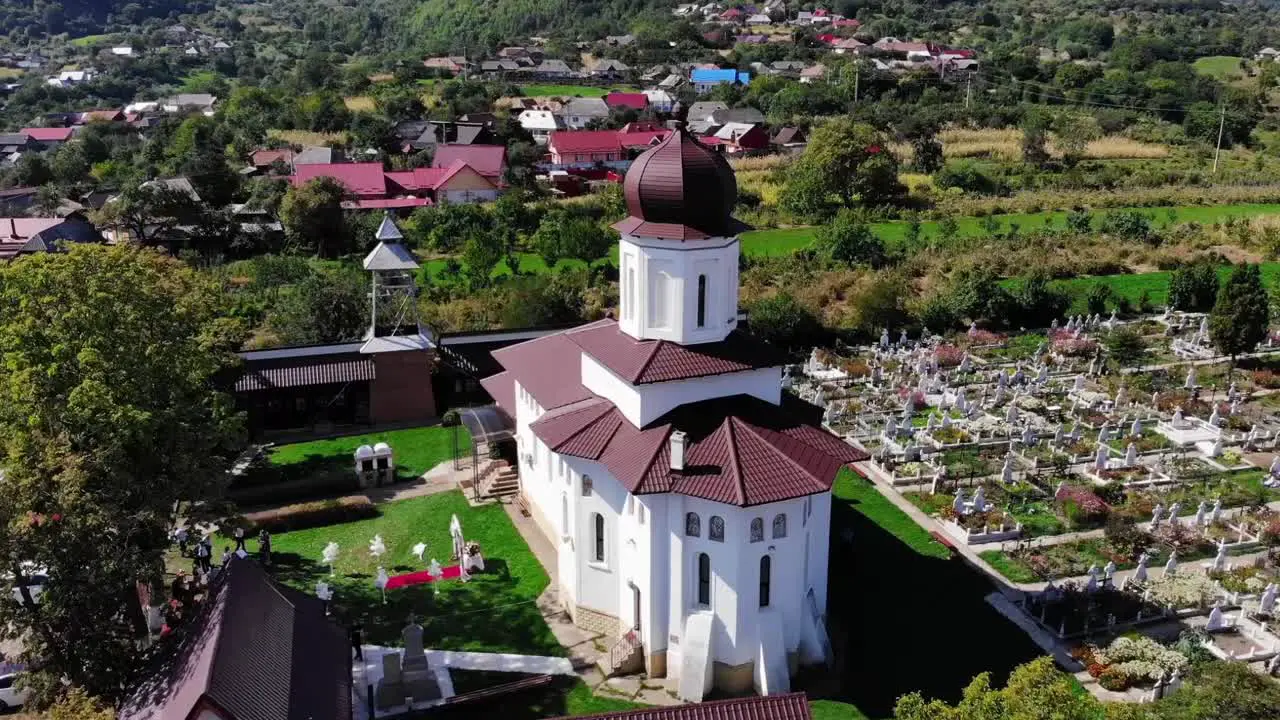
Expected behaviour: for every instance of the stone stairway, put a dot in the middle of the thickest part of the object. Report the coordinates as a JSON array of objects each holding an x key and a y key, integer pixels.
[{"x": 500, "y": 480}]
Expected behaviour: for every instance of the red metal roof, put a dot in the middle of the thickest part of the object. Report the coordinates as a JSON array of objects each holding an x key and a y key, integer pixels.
[
  {"x": 636, "y": 101},
  {"x": 263, "y": 158},
  {"x": 360, "y": 179},
  {"x": 793, "y": 706},
  {"x": 48, "y": 134},
  {"x": 488, "y": 160},
  {"x": 314, "y": 373},
  {"x": 649, "y": 361},
  {"x": 741, "y": 450},
  {"x": 550, "y": 368},
  {"x": 584, "y": 141}
]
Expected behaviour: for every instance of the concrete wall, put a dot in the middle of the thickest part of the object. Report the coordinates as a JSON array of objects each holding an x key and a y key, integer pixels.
[{"x": 401, "y": 390}]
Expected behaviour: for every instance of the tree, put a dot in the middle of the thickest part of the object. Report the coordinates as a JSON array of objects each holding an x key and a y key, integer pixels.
[
  {"x": 1072, "y": 134},
  {"x": 481, "y": 253},
  {"x": 1035, "y": 136},
  {"x": 148, "y": 214},
  {"x": 1125, "y": 346},
  {"x": 1194, "y": 287},
  {"x": 1035, "y": 691},
  {"x": 326, "y": 307},
  {"x": 782, "y": 321},
  {"x": 844, "y": 163},
  {"x": 111, "y": 417},
  {"x": 848, "y": 239},
  {"x": 1239, "y": 319},
  {"x": 1221, "y": 691},
  {"x": 312, "y": 217},
  {"x": 926, "y": 154},
  {"x": 76, "y": 704},
  {"x": 1099, "y": 295}
]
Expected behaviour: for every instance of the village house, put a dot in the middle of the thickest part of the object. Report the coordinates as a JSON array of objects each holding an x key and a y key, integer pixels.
[
  {"x": 50, "y": 138},
  {"x": 26, "y": 235},
  {"x": 452, "y": 64},
  {"x": 184, "y": 103},
  {"x": 578, "y": 113},
  {"x": 370, "y": 187},
  {"x": 740, "y": 137},
  {"x": 813, "y": 73},
  {"x": 704, "y": 79},
  {"x": 627, "y": 101},
  {"x": 540, "y": 124},
  {"x": 610, "y": 69},
  {"x": 585, "y": 147},
  {"x": 660, "y": 100},
  {"x": 69, "y": 78},
  {"x": 488, "y": 160}
]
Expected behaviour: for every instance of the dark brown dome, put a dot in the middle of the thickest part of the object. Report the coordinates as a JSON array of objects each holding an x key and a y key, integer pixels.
[{"x": 680, "y": 189}]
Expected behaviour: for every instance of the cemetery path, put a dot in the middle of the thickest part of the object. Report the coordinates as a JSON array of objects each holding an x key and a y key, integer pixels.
[{"x": 1198, "y": 361}]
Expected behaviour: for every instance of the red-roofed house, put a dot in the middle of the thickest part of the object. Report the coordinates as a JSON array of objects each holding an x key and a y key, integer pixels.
[
  {"x": 101, "y": 116},
  {"x": 49, "y": 137},
  {"x": 488, "y": 160},
  {"x": 369, "y": 187},
  {"x": 569, "y": 147},
  {"x": 633, "y": 101},
  {"x": 689, "y": 501}
]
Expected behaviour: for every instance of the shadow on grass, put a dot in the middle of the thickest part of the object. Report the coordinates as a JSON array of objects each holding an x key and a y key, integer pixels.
[
  {"x": 548, "y": 701},
  {"x": 901, "y": 621},
  {"x": 485, "y": 614}
]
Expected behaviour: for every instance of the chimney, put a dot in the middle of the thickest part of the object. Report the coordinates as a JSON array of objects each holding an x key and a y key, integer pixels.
[{"x": 677, "y": 450}]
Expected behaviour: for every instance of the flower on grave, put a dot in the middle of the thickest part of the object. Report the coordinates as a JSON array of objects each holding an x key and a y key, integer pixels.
[
  {"x": 1138, "y": 658},
  {"x": 985, "y": 337},
  {"x": 56, "y": 517},
  {"x": 873, "y": 149},
  {"x": 1183, "y": 590},
  {"x": 1085, "y": 500},
  {"x": 948, "y": 356}
]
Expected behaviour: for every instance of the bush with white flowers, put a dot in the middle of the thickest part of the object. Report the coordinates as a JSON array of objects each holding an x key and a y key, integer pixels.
[
  {"x": 1183, "y": 590},
  {"x": 1140, "y": 658}
]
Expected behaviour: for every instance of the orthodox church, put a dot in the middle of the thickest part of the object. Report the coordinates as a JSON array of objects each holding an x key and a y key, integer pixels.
[{"x": 689, "y": 503}]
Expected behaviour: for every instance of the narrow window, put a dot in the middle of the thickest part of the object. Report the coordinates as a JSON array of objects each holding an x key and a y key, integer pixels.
[
  {"x": 766, "y": 565},
  {"x": 779, "y": 526},
  {"x": 702, "y": 300},
  {"x": 599, "y": 527},
  {"x": 716, "y": 529},
  {"x": 704, "y": 579},
  {"x": 640, "y": 513},
  {"x": 692, "y": 525},
  {"x": 586, "y": 486},
  {"x": 757, "y": 530},
  {"x": 658, "y": 301},
  {"x": 631, "y": 504},
  {"x": 630, "y": 310},
  {"x": 564, "y": 515}
]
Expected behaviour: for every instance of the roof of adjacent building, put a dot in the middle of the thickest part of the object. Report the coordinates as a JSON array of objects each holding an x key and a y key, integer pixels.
[
  {"x": 588, "y": 106},
  {"x": 739, "y": 450},
  {"x": 318, "y": 156},
  {"x": 793, "y": 706},
  {"x": 488, "y": 160},
  {"x": 635, "y": 101},
  {"x": 640, "y": 362},
  {"x": 258, "y": 651},
  {"x": 584, "y": 141},
  {"x": 359, "y": 178},
  {"x": 680, "y": 189},
  {"x": 49, "y": 134},
  {"x": 322, "y": 371},
  {"x": 719, "y": 75},
  {"x": 704, "y": 109}
]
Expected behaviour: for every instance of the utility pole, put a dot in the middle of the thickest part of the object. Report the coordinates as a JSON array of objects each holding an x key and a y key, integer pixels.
[
  {"x": 968, "y": 90},
  {"x": 857, "y": 73},
  {"x": 1222, "y": 121}
]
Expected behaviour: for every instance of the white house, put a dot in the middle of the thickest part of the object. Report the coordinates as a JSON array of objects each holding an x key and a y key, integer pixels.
[
  {"x": 540, "y": 124},
  {"x": 660, "y": 100},
  {"x": 689, "y": 504}
]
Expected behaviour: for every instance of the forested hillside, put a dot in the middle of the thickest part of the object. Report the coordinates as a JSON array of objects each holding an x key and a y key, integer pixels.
[{"x": 87, "y": 17}]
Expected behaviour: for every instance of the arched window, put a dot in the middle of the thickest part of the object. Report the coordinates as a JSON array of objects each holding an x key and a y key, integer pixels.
[
  {"x": 586, "y": 486},
  {"x": 692, "y": 525},
  {"x": 658, "y": 301},
  {"x": 630, "y": 310},
  {"x": 564, "y": 514},
  {"x": 702, "y": 300},
  {"x": 766, "y": 565},
  {"x": 779, "y": 526},
  {"x": 598, "y": 521},
  {"x": 715, "y": 530},
  {"x": 757, "y": 530},
  {"x": 704, "y": 579}
]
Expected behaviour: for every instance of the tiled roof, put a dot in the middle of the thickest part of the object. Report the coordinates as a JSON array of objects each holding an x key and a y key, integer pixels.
[
  {"x": 649, "y": 361},
  {"x": 329, "y": 372},
  {"x": 550, "y": 368},
  {"x": 580, "y": 141},
  {"x": 741, "y": 450},
  {"x": 258, "y": 651},
  {"x": 637, "y": 101},
  {"x": 360, "y": 179},
  {"x": 488, "y": 160},
  {"x": 49, "y": 134},
  {"x": 793, "y": 706}
]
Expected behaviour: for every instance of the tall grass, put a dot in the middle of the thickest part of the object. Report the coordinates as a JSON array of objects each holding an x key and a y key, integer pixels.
[
  {"x": 1006, "y": 145},
  {"x": 1040, "y": 200},
  {"x": 360, "y": 103},
  {"x": 308, "y": 138}
]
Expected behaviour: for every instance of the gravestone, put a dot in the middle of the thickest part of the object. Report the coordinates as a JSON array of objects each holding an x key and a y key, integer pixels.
[{"x": 1131, "y": 455}]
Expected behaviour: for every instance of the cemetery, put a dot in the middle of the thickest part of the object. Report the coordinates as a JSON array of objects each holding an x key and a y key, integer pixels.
[{"x": 1116, "y": 496}]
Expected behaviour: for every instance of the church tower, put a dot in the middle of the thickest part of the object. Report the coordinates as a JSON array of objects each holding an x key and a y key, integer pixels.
[{"x": 678, "y": 256}]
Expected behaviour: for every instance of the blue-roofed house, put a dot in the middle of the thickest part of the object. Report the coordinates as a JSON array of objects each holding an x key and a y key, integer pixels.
[{"x": 704, "y": 79}]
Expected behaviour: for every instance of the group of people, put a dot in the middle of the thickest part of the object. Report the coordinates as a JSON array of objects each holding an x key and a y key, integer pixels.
[{"x": 187, "y": 589}]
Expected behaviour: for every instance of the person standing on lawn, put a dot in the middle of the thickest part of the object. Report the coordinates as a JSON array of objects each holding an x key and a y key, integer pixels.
[
  {"x": 356, "y": 632},
  {"x": 239, "y": 535},
  {"x": 264, "y": 547}
]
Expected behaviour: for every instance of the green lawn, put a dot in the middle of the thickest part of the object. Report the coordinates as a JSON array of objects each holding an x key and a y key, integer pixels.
[
  {"x": 494, "y": 612},
  {"x": 570, "y": 90},
  {"x": 91, "y": 40},
  {"x": 1155, "y": 284},
  {"x": 859, "y": 493},
  {"x": 833, "y": 710},
  {"x": 1012, "y": 569},
  {"x": 1221, "y": 67},
  {"x": 783, "y": 241},
  {"x": 417, "y": 450}
]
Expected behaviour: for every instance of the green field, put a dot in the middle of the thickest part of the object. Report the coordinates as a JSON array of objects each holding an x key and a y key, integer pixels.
[
  {"x": 417, "y": 450},
  {"x": 1155, "y": 284},
  {"x": 1221, "y": 67},
  {"x": 783, "y": 241},
  {"x": 91, "y": 40},
  {"x": 570, "y": 90}
]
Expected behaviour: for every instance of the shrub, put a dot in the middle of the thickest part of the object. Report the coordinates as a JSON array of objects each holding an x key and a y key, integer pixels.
[
  {"x": 1113, "y": 679},
  {"x": 1100, "y": 294},
  {"x": 1128, "y": 224},
  {"x": 1269, "y": 379},
  {"x": 313, "y": 514},
  {"x": 450, "y": 418},
  {"x": 948, "y": 356},
  {"x": 967, "y": 175}
]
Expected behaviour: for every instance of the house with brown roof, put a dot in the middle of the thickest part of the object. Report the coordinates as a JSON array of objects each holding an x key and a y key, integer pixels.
[
  {"x": 27, "y": 235},
  {"x": 256, "y": 650},
  {"x": 688, "y": 499}
]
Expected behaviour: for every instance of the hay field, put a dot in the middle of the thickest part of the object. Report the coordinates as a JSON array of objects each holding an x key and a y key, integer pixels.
[
  {"x": 1006, "y": 145},
  {"x": 360, "y": 103},
  {"x": 307, "y": 138}
]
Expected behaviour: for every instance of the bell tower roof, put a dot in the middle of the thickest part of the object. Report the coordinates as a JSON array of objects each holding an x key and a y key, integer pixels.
[{"x": 680, "y": 189}]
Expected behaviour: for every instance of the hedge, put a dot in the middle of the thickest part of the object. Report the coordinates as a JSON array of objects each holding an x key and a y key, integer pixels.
[{"x": 313, "y": 514}]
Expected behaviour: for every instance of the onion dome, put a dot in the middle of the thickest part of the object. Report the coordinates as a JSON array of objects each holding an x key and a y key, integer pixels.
[{"x": 680, "y": 189}]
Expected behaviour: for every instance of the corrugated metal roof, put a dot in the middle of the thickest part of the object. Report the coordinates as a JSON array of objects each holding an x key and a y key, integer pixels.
[
  {"x": 314, "y": 373},
  {"x": 682, "y": 182},
  {"x": 650, "y": 361},
  {"x": 792, "y": 706}
]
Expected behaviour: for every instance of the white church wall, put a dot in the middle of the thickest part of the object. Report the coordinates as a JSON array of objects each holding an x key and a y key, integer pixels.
[
  {"x": 599, "y": 580},
  {"x": 642, "y": 404}
]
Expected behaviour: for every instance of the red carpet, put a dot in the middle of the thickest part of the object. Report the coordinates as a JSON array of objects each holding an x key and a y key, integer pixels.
[{"x": 422, "y": 577}]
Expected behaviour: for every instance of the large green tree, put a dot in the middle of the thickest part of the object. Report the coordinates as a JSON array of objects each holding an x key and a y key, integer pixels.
[
  {"x": 845, "y": 163},
  {"x": 1239, "y": 319},
  {"x": 1035, "y": 691},
  {"x": 111, "y": 419},
  {"x": 313, "y": 220},
  {"x": 848, "y": 240}
]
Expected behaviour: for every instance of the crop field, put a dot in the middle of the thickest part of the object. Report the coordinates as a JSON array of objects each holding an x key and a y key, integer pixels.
[
  {"x": 308, "y": 138},
  {"x": 1006, "y": 145},
  {"x": 360, "y": 103}
]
